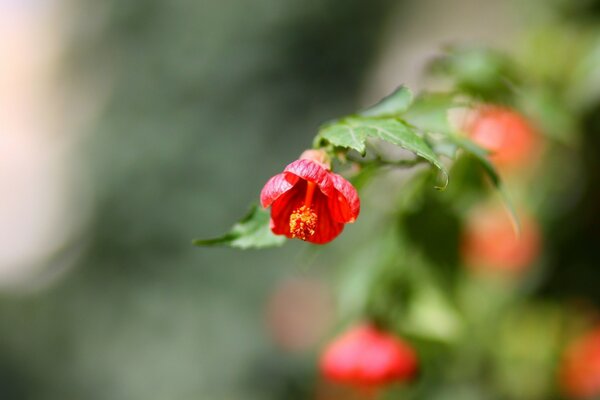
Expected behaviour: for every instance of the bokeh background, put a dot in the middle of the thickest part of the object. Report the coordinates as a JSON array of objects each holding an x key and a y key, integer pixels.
[{"x": 128, "y": 128}]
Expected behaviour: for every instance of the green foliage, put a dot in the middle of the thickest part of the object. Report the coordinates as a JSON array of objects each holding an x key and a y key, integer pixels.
[
  {"x": 206, "y": 72},
  {"x": 396, "y": 120},
  {"x": 421, "y": 127},
  {"x": 429, "y": 112},
  {"x": 480, "y": 154},
  {"x": 352, "y": 133},
  {"x": 396, "y": 103},
  {"x": 431, "y": 316},
  {"x": 479, "y": 72},
  {"x": 554, "y": 118},
  {"x": 433, "y": 228},
  {"x": 418, "y": 273},
  {"x": 251, "y": 232}
]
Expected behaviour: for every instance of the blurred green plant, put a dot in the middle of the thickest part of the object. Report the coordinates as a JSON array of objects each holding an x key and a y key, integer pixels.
[{"x": 440, "y": 268}]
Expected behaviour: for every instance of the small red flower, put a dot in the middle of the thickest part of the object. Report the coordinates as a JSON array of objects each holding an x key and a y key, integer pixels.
[
  {"x": 368, "y": 357},
  {"x": 580, "y": 369},
  {"x": 308, "y": 201},
  {"x": 490, "y": 243},
  {"x": 509, "y": 137}
]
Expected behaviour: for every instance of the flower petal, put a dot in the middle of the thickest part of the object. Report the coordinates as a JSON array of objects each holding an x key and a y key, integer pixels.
[
  {"x": 340, "y": 361},
  {"x": 335, "y": 203},
  {"x": 275, "y": 187},
  {"x": 312, "y": 172},
  {"x": 327, "y": 227},
  {"x": 283, "y": 206},
  {"x": 368, "y": 357},
  {"x": 344, "y": 204}
]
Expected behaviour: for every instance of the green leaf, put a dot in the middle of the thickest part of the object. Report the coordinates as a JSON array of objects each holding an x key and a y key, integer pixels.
[
  {"x": 252, "y": 231},
  {"x": 481, "y": 155},
  {"x": 551, "y": 113},
  {"x": 430, "y": 113},
  {"x": 394, "y": 104},
  {"x": 480, "y": 72},
  {"x": 345, "y": 134},
  {"x": 431, "y": 316},
  {"x": 353, "y": 132},
  {"x": 585, "y": 89}
]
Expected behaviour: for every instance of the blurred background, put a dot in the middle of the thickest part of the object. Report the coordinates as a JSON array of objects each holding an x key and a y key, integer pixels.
[{"x": 128, "y": 128}]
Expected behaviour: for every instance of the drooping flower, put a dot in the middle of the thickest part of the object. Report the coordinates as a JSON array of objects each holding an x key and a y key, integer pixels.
[
  {"x": 490, "y": 243},
  {"x": 509, "y": 137},
  {"x": 580, "y": 368},
  {"x": 368, "y": 357},
  {"x": 308, "y": 201}
]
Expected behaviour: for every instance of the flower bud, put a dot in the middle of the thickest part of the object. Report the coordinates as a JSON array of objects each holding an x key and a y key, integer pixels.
[
  {"x": 366, "y": 356},
  {"x": 508, "y": 136},
  {"x": 580, "y": 368},
  {"x": 490, "y": 242}
]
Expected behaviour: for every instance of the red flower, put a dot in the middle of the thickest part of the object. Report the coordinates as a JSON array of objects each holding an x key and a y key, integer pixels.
[
  {"x": 308, "y": 201},
  {"x": 580, "y": 368},
  {"x": 366, "y": 357},
  {"x": 490, "y": 242},
  {"x": 506, "y": 134}
]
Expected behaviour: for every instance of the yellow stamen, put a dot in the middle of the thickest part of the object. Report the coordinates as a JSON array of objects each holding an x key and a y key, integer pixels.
[{"x": 303, "y": 222}]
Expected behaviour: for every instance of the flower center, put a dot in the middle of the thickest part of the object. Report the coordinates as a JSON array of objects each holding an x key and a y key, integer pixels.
[{"x": 303, "y": 220}]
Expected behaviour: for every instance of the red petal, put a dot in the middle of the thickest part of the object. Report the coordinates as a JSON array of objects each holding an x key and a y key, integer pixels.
[
  {"x": 335, "y": 203},
  {"x": 282, "y": 208},
  {"x": 345, "y": 203},
  {"x": 340, "y": 361},
  {"x": 275, "y": 187},
  {"x": 327, "y": 228},
  {"x": 370, "y": 358},
  {"x": 312, "y": 172},
  {"x": 376, "y": 363}
]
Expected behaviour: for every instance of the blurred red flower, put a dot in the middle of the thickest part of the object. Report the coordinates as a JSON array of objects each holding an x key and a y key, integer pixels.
[
  {"x": 308, "y": 201},
  {"x": 580, "y": 369},
  {"x": 489, "y": 241},
  {"x": 368, "y": 357},
  {"x": 509, "y": 137}
]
